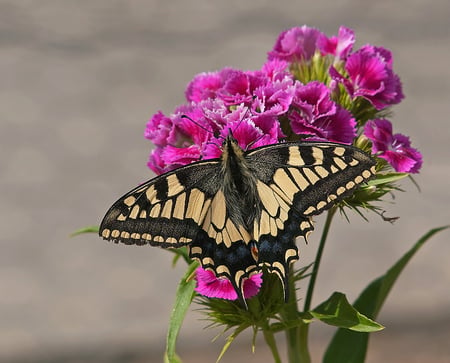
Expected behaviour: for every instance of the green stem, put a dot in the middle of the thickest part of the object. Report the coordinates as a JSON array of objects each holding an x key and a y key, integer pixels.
[
  {"x": 312, "y": 280},
  {"x": 303, "y": 343},
  {"x": 297, "y": 338},
  {"x": 290, "y": 314},
  {"x": 270, "y": 340}
]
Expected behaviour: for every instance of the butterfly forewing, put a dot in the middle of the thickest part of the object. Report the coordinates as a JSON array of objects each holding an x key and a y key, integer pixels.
[{"x": 167, "y": 210}]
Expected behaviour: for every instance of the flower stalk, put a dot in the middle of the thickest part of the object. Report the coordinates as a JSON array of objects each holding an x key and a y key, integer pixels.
[
  {"x": 272, "y": 344},
  {"x": 318, "y": 259}
]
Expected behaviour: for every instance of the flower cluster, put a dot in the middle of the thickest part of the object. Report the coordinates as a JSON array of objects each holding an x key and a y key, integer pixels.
[{"x": 311, "y": 87}]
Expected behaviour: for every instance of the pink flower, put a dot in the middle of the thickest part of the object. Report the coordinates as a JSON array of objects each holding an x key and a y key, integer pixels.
[
  {"x": 275, "y": 97},
  {"x": 156, "y": 162},
  {"x": 394, "y": 148},
  {"x": 339, "y": 46},
  {"x": 295, "y": 44},
  {"x": 315, "y": 114},
  {"x": 204, "y": 85},
  {"x": 158, "y": 129},
  {"x": 276, "y": 69},
  {"x": 249, "y": 131},
  {"x": 180, "y": 138},
  {"x": 211, "y": 286},
  {"x": 240, "y": 85},
  {"x": 371, "y": 76}
]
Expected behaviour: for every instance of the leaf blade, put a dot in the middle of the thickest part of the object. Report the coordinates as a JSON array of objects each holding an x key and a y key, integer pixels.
[
  {"x": 351, "y": 347},
  {"x": 184, "y": 295},
  {"x": 88, "y": 229},
  {"x": 337, "y": 311}
]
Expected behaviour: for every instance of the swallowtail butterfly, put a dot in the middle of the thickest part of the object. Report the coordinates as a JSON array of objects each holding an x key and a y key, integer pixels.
[{"x": 240, "y": 213}]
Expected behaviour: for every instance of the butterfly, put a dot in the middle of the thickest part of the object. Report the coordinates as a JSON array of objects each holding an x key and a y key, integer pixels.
[{"x": 240, "y": 213}]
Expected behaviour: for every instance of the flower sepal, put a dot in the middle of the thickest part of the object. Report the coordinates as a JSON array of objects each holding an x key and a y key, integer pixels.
[{"x": 232, "y": 313}]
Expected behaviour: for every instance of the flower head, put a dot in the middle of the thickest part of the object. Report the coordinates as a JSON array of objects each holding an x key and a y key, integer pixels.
[
  {"x": 211, "y": 286},
  {"x": 339, "y": 46},
  {"x": 370, "y": 75},
  {"x": 316, "y": 115},
  {"x": 204, "y": 85},
  {"x": 298, "y": 92},
  {"x": 295, "y": 44},
  {"x": 394, "y": 148}
]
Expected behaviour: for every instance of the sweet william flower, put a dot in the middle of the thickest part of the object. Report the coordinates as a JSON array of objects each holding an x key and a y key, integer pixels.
[
  {"x": 204, "y": 85},
  {"x": 394, "y": 148},
  {"x": 211, "y": 286},
  {"x": 276, "y": 69},
  {"x": 295, "y": 44},
  {"x": 274, "y": 98},
  {"x": 249, "y": 131},
  {"x": 158, "y": 129},
  {"x": 316, "y": 115},
  {"x": 338, "y": 46},
  {"x": 179, "y": 141},
  {"x": 370, "y": 75}
]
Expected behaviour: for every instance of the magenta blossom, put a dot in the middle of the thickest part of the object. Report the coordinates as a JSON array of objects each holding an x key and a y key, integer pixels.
[
  {"x": 276, "y": 69},
  {"x": 240, "y": 86},
  {"x": 173, "y": 141},
  {"x": 204, "y": 85},
  {"x": 197, "y": 130},
  {"x": 371, "y": 76},
  {"x": 394, "y": 148},
  {"x": 210, "y": 286},
  {"x": 274, "y": 98},
  {"x": 338, "y": 46},
  {"x": 295, "y": 44},
  {"x": 250, "y": 132},
  {"x": 180, "y": 138},
  {"x": 316, "y": 115}
]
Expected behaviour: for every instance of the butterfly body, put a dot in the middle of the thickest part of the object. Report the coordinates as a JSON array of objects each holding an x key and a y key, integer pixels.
[
  {"x": 240, "y": 213},
  {"x": 239, "y": 185}
]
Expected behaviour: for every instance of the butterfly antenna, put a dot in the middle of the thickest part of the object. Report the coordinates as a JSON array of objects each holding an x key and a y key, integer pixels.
[
  {"x": 254, "y": 141},
  {"x": 244, "y": 116},
  {"x": 196, "y": 123},
  {"x": 205, "y": 129}
]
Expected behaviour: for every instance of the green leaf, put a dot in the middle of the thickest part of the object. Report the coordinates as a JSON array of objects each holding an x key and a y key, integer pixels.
[
  {"x": 184, "y": 296},
  {"x": 89, "y": 229},
  {"x": 230, "y": 339},
  {"x": 337, "y": 311},
  {"x": 387, "y": 178},
  {"x": 350, "y": 347}
]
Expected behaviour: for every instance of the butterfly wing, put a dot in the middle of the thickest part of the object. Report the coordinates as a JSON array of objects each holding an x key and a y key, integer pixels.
[
  {"x": 185, "y": 207},
  {"x": 295, "y": 182},
  {"x": 166, "y": 211}
]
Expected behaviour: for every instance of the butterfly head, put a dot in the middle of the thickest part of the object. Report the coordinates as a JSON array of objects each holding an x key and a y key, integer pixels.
[{"x": 230, "y": 148}]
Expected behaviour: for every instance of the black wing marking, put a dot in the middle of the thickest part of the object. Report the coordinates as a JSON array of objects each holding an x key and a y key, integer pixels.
[{"x": 295, "y": 182}]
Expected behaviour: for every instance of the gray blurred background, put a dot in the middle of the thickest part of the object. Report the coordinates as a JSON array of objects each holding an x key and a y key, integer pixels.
[{"x": 80, "y": 79}]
